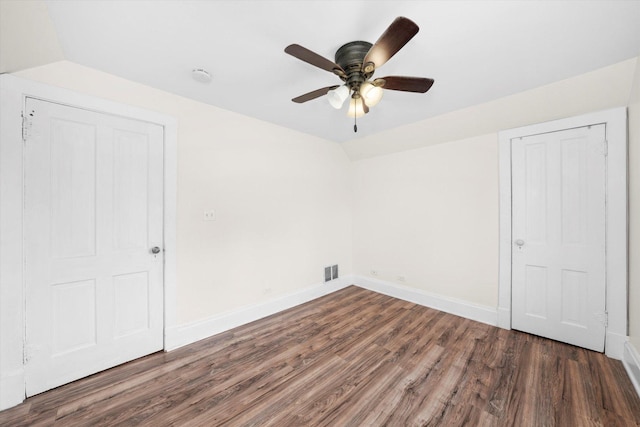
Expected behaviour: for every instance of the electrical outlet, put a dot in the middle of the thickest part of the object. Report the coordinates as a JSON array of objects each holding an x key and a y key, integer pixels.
[
  {"x": 327, "y": 274},
  {"x": 374, "y": 272},
  {"x": 209, "y": 215},
  {"x": 334, "y": 272},
  {"x": 402, "y": 278}
]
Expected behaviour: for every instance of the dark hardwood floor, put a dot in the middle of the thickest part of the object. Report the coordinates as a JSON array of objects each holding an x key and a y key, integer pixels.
[{"x": 352, "y": 358}]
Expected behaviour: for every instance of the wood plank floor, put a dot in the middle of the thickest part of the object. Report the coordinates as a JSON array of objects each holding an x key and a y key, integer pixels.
[{"x": 352, "y": 358}]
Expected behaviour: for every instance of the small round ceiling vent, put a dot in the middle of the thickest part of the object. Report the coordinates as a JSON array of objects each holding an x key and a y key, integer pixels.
[{"x": 201, "y": 75}]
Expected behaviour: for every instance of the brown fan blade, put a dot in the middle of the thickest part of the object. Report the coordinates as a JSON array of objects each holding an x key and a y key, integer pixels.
[
  {"x": 313, "y": 95},
  {"x": 407, "y": 84},
  {"x": 304, "y": 54},
  {"x": 390, "y": 42}
]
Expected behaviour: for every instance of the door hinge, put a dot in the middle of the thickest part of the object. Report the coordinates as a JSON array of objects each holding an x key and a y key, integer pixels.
[
  {"x": 27, "y": 124},
  {"x": 603, "y": 317}
]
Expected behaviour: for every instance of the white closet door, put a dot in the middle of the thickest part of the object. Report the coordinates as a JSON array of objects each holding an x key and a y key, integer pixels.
[
  {"x": 558, "y": 220},
  {"x": 93, "y": 216}
]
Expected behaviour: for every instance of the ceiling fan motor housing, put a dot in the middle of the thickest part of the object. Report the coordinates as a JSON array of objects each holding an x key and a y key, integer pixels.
[{"x": 350, "y": 57}]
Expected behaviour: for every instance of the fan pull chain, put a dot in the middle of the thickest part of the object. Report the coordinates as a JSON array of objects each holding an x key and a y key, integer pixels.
[{"x": 355, "y": 118}]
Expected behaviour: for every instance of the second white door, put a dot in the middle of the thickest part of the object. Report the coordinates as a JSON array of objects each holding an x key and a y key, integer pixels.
[
  {"x": 558, "y": 229},
  {"x": 93, "y": 242}
]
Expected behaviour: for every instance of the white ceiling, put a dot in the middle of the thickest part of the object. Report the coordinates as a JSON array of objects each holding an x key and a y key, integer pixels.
[{"x": 476, "y": 51}]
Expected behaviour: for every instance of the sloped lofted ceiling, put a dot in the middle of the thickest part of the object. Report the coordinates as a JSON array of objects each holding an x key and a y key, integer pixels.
[{"x": 476, "y": 51}]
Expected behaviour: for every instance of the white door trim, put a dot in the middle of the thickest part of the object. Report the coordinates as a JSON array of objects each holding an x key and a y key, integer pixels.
[
  {"x": 13, "y": 92},
  {"x": 615, "y": 121}
]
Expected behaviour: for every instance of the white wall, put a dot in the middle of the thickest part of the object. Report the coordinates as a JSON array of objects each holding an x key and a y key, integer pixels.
[
  {"x": 431, "y": 215},
  {"x": 282, "y": 198}
]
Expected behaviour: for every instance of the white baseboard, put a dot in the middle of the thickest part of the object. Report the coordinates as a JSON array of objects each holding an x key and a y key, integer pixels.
[
  {"x": 477, "y": 312},
  {"x": 631, "y": 362},
  {"x": 182, "y": 335},
  {"x": 11, "y": 389}
]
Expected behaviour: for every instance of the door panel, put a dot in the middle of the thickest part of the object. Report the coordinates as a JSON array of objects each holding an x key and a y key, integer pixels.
[
  {"x": 93, "y": 210},
  {"x": 574, "y": 298},
  {"x": 536, "y": 192},
  {"x": 536, "y": 291},
  {"x": 558, "y": 227},
  {"x": 73, "y": 180},
  {"x": 574, "y": 197},
  {"x": 131, "y": 159},
  {"x": 131, "y": 303},
  {"x": 74, "y": 316}
]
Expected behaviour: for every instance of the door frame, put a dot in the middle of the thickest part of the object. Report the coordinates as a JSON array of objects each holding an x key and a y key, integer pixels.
[
  {"x": 13, "y": 94},
  {"x": 615, "y": 121}
]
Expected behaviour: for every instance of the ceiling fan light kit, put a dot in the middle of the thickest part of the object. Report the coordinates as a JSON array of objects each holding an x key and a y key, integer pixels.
[
  {"x": 355, "y": 64},
  {"x": 337, "y": 96},
  {"x": 371, "y": 93},
  {"x": 356, "y": 108}
]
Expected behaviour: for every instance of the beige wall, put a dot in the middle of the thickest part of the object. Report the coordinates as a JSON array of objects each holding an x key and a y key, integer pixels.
[
  {"x": 431, "y": 216},
  {"x": 282, "y": 198},
  {"x": 27, "y": 36},
  {"x": 634, "y": 210},
  {"x": 604, "y": 88}
]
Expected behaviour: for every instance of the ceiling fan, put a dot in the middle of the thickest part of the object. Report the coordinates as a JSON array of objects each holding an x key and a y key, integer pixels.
[{"x": 355, "y": 63}]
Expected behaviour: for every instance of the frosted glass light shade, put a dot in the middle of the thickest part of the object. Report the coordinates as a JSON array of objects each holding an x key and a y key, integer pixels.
[
  {"x": 337, "y": 96},
  {"x": 355, "y": 108},
  {"x": 372, "y": 94}
]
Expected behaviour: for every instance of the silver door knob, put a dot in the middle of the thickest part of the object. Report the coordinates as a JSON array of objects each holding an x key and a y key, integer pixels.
[
  {"x": 519, "y": 242},
  {"x": 155, "y": 250}
]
